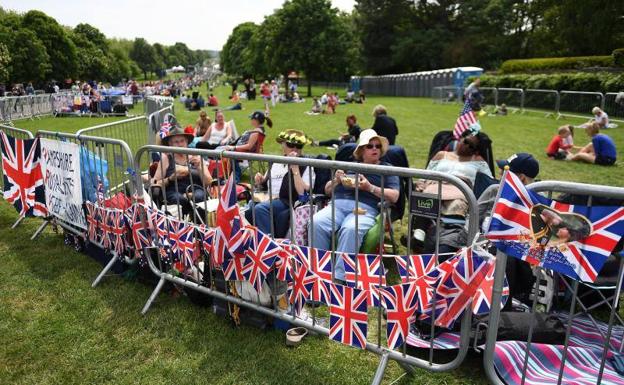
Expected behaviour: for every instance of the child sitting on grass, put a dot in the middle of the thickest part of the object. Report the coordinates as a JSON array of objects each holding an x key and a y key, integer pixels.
[{"x": 559, "y": 146}]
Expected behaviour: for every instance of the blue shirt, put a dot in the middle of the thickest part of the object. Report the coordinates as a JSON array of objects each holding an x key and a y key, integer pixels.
[
  {"x": 604, "y": 146},
  {"x": 390, "y": 182}
]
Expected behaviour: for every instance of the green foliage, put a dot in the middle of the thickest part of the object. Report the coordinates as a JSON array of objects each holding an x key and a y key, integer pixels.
[
  {"x": 599, "y": 82},
  {"x": 5, "y": 59},
  {"x": 237, "y": 55},
  {"x": 144, "y": 55},
  {"x": 58, "y": 45},
  {"x": 555, "y": 63},
  {"x": 29, "y": 58},
  {"x": 618, "y": 57}
]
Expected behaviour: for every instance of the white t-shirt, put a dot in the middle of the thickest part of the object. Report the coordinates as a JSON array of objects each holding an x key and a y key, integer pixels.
[
  {"x": 465, "y": 170},
  {"x": 278, "y": 171},
  {"x": 216, "y": 136},
  {"x": 602, "y": 119}
]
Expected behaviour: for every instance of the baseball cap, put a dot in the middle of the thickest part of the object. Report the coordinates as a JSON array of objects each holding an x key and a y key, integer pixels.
[
  {"x": 257, "y": 115},
  {"x": 521, "y": 163}
]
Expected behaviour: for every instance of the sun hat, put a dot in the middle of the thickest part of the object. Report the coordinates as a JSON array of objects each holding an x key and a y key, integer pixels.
[
  {"x": 365, "y": 137},
  {"x": 295, "y": 335},
  {"x": 296, "y": 137},
  {"x": 177, "y": 131}
]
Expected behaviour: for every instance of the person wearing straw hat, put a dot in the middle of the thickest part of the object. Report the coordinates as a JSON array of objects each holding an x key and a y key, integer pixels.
[
  {"x": 184, "y": 177},
  {"x": 283, "y": 177},
  {"x": 371, "y": 147}
]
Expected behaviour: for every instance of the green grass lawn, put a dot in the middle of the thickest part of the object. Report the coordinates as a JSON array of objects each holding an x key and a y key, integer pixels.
[{"x": 56, "y": 329}]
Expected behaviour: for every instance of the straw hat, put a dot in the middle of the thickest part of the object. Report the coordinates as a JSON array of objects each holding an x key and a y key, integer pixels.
[
  {"x": 295, "y": 137},
  {"x": 178, "y": 131},
  {"x": 365, "y": 137}
]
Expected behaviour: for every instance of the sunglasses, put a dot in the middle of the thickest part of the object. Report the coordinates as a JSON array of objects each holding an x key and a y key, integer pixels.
[
  {"x": 371, "y": 146},
  {"x": 292, "y": 145}
]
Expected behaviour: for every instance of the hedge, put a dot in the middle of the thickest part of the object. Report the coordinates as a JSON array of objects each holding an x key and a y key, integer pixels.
[
  {"x": 599, "y": 81},
  {"x": 555, "y": 63},
  {"x": 618, "y": 57}
]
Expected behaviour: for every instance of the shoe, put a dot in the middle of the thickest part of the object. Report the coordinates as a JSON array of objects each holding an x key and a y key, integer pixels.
[{"x": 294, "y": 336}]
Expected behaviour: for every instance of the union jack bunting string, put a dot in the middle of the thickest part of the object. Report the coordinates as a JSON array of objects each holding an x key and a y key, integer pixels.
[
  {"x": 365, "y": 271},
  {"x": 400, "y": 302},
  {"x": 23, "y": 180},
  {"x": 573, "y": 240}
]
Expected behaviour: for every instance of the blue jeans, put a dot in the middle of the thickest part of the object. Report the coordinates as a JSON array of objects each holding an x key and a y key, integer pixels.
[
  {"x": 262, "y": 211},
  {"x": 345, "y": 225}
]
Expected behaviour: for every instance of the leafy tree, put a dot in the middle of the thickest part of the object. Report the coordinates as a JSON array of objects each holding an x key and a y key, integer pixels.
[
  {"x": 237, "y": 53},
  {"x": 94, "y": 60},
  {"x": 5, "y": 59},
  {"x": 29, "y": 60},
  {"x": 144, "y": 55},
  {"x": 58, "y": 45}
]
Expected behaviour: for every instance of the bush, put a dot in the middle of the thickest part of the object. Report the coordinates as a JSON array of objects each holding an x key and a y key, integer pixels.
[
  {"x": 591, "y": 82},
  {"x": 618, "y": 57},
  {"x": 555, "y": 63}
]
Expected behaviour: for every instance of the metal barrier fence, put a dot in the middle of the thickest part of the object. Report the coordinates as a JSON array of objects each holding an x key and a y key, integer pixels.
[
  {"x": 446, "y": 94},
  {"x": 520, "y": 360},
  {"x": 106, "y": 169},
  {"x": 614, "y": 105},
  {"x": 20, "y": 134},
  {"x": 154, "y": 103},
  {"x": 549, "y": 102},
  {"x": 25, "y": 107},
  {"x": 188, "y": 209},
  {"x": 132, "y": 131}
]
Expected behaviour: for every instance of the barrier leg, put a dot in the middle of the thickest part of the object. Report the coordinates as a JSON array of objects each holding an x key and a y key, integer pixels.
[
  {"x": 105, "y": 270},
  {"x": 409, "y": 369},
  {"x": 39, "y": 230},
  {"x": 153, "y": 296},
  {"x": 381, "y": 369},
  {"x": 17, "y": 222}
]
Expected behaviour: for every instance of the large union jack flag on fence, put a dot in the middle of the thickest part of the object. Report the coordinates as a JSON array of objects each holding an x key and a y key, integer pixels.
[
  {"x": 23, "y": 180},
  {"x": 348, "y": 320},
  {"x": 571, "y": 239}
]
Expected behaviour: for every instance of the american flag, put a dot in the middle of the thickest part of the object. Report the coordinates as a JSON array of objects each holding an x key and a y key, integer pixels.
[
  {"x": 370, "y": 274},
  {"x": 482, "y": 299},
  {"x": 400, "y": 302},
  {"x": 459, "y": 287},
  {"x": 465, "y": 119},
  {"x": 412, "y": 267},
  {"x": 23, "y": 180},
  {"x": 512, "y": 232},
  {"x": 261, "y": 253},
  {"x": 348, "y": 320}
]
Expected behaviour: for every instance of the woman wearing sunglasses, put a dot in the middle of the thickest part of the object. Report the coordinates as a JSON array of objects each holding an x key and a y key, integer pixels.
[
  {"x": 280, "y": 198},
  {"x": 371, "y": 147}
]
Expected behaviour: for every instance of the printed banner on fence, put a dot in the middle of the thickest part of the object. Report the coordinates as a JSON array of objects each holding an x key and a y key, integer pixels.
[{"x": 61, "y": 175}]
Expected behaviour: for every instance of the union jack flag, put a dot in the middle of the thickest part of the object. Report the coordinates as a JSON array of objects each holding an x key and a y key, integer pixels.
[
  {"x": 400, "y": 302},
  {"x": 116, "y": 230},
  {"x": 93, "y": 222},
  {"x": 233, "y": 265},
  {"x": 23, "y": 180},
  {"x": 412, "y": 267},
  {"x": 140, "y": 219},
  {"x": 459, "y": 287},
  {"x": 283, "y": 263},
  {"x": 261, "y": 254},
  {"x": 299, "y": 291},
  {"x": 161, "y": 225},
  {"x": 366, "y": 271},
  {"x": 107, "y": 229},
  {"x": 511, "y": 230},
  {"x": 348, "y": 320},
  {"x": 182, "y": 241},
  {"x": 228, "y": 216},
  {"x": 318, "y": 263},
  {"x": 100, "y": 213},
  {"x": 465, "y": 119},
  {"x": 207, "y": 235},
  {"x": 482, "y": 299}
]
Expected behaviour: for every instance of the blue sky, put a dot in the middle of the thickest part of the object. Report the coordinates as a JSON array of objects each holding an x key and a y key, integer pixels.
[{"x": 199, "y": 24}]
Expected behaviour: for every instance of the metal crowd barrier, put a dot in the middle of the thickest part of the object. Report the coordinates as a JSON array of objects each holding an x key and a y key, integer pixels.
[
  {"x": 490, "y": 96},
  {"x": 541, "y": 101},
  {"x": 551, "y": 187},
  {"x": 579, "y": 104},
  {"x": 24, "y": 107},
  {"x": 447, "y": 94},
  {"x": 107, "y": 168},
  {"x": 20, "y": 134},
  {"x": 614, "y": 105},
  {"x": 512, "y": 97},
  {"x": 131, "y": 131},
  {"x": 157, "y": 265}
]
